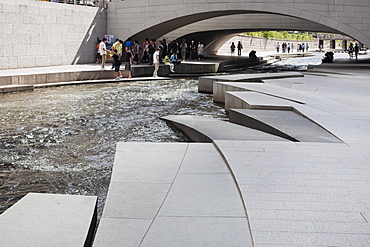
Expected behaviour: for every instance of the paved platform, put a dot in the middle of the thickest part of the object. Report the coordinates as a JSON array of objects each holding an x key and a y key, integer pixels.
[
  {"x": 49, "y": 220},
  {"x": 172, "y": 194}
]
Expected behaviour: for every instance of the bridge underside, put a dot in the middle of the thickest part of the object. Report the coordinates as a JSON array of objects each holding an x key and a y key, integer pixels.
[{"x": 214, "y": 32}]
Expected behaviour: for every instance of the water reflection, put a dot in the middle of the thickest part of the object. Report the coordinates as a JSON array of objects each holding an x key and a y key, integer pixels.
[{"x": 62, "y": 140}]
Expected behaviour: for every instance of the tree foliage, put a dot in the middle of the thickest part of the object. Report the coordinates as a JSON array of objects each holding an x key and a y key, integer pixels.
[{"x": 282, "y": 35}]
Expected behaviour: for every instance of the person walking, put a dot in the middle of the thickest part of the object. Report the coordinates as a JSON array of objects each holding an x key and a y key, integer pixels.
[
  {"x": 239, "y": 47},
  {"x": 350, "y": 50},
  {"x": 277, "y": 47},
  {"x": 136, "y": 51},
  {"x": 232, "y": 48},
  {"x": 103, "y": 52},
  {"x": 156, "y": 62}
]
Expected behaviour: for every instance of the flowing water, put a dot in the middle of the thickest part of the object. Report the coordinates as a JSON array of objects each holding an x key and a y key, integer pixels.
[{"x": 62, "y": 140}]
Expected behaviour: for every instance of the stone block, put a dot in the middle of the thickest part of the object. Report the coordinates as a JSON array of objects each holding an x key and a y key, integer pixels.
[{"x": 49, "y": 220}]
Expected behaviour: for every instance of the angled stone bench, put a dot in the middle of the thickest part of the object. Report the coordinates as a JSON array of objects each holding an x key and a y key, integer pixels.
[
  {"x": 172, "y": 194},
  {"x": 206, "y": 82},
  {"x": 202, "y": 129},
  {"x": 49, "y": 220},
  {"x": 286, "y": 124}
]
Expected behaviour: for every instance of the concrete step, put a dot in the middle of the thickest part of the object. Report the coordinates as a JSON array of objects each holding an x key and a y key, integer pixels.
[
  {"x": 15, "y": 88},
  {"x": 257, "y": 101},
  {"x": 172, "y": 194},
  {"x": 202, "y": 129},
  {"x": 46, "y": 220},
  {"x": 206, "y": 82},
  {"x": 220, "y": 89},
  {"x": 286, "y": 124}
]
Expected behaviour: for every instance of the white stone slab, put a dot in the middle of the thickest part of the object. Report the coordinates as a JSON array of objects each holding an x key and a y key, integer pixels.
[{"x": 49, "y": 220}]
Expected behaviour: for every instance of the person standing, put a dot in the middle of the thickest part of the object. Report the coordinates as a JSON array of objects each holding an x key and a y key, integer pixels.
[
  {"x": 232, "y": 48},
  {"x": 145, "y": 48},
  {"x": 128, "y": 61},
  {"x": 239, "y": 47},
  {"x": 151, "y": 50},
  {"x": 193, "y": 50},
  {"x": 103, "y": 52},
  {"x": 129, "y": 43},
  {"x": 156, "y": 62},
  {"x": 117, "y": 64},
  {"x": 357, "y": 50},
  {"x": 277, "y": 47},
  {"x": 98, "y": 56},
  {"x": 118, "y": 47},
  {"x": 200, "y": 51},
  {"x": 183, "y": 48},
  {"x": 136, "y": 51}
]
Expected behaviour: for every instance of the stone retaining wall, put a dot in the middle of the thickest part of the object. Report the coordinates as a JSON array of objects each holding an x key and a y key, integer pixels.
[{"x": 36, "y": 33}]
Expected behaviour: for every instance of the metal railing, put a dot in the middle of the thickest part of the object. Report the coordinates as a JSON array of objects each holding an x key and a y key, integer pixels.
[{"x": 94, "y": 3}]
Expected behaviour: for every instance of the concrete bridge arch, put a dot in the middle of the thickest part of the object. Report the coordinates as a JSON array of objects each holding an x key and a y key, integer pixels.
[{"x": 154, "y": 19}]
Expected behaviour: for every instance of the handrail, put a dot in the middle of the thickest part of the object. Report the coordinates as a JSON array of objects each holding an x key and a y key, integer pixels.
[{"x": 92, "y": 3}]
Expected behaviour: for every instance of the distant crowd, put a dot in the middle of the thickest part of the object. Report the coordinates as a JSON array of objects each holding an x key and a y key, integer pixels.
[
  {"x": 289, "y": 47},
  {"x": 150, "y": 51}
]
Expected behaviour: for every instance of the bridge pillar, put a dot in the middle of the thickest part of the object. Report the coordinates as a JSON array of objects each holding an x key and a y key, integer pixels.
[
  {"x": 344, "y": 44},
  {"x": 332, "y": 44}
]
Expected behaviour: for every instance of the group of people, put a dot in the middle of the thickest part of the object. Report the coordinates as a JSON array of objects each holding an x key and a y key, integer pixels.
[
  {"x": 289, "y": 47},
  {"x": 150, "y": 51},
  {"x": 239, "y": 47},
  {"x": 120, "y": 52},
  {"x": 353, "y": 49}
]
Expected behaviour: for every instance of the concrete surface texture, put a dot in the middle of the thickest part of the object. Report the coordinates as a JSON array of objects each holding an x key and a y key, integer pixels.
[
  {"x": 347, "y": 17},
  {"x": 37, "y": 33},
  {"x": 172, "y": 194},
  {"x": 49, "y": 220}
]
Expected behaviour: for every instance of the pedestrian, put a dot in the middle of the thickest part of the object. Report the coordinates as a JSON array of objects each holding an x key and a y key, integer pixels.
[
  {"x": 183, "y": 49},
  {"x": 288, "y": 47},
  {"x": 165, "y": 48},
  {"x": 161, "y": 47},
  {"x": 307, "y": 47},
  {"x": 156, "y": 62},
  {"x": 117, "y": 64},
  {"x": 350, "y": 50},
  {"x": 98, "y": 56},
  {"x": 193, "y": 50},
  {"x": 128, "y": 61},
  {"x": 173, "y": 61},
  {"x": 103, "y": 52},
  {"x": 239, "y": 47},
  {"x": 151, "y": 50},
  {"x": 232, "y": 48},
  {"x": 277, "y": 47},
  {"x": 118, "y": 47},
  {"x": 145, "y": 48},
  {"x": 303, "y": 47},
  {"x": 356, "y": 49},
  {"x": 136, "y": 52},
  {"x": 200, "y": 51},
  {"x": 128, "y": 43}
]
